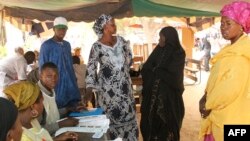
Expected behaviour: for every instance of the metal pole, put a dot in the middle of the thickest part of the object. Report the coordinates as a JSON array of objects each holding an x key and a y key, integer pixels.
[{"x": 1, "y": 28}]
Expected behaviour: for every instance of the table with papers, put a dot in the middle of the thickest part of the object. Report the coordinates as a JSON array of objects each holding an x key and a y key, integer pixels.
[{"x": 92, "y": 127}]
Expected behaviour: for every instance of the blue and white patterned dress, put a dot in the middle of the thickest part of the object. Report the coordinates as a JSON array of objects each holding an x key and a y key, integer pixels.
[{"x": 113, "y": 83}]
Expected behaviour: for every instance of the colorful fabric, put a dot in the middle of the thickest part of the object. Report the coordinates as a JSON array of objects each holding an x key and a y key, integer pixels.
[
  {"x": 238, "y": 11},
  {"x": 209, "y": 137},
  {"x": 67, "y": 93},
  {"x": 228, "y": 91},
  {"x": 113, "y": 84},
  {"x": 23, "y": 93},
  {"x": 99, "y": 24},
  {"x": 8, "y": 117}
]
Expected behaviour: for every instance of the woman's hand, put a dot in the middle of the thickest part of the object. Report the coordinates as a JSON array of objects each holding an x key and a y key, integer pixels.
[
  {"x": 72, "y": 136},
  {"x": 69, "y": 122},
  {"x": 204, "y": 112}
]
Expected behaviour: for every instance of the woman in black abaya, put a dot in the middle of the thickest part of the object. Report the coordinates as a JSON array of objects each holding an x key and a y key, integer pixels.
[{"x": 162, "y": 108}]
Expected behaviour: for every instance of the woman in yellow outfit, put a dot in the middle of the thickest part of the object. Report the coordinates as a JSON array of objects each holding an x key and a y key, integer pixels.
[
  {"x": 29, "y": 101},
  {"x": 227, "y": 95}
]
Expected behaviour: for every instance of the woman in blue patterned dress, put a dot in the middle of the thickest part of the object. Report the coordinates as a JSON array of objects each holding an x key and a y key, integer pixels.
[{"x": 112, "y": 80}]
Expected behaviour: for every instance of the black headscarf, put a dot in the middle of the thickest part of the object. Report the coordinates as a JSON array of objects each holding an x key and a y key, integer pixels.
[
  {"x": 8, "y": 117},
  {"x": 161, "y": 57},
  {"x": 172, "y": 38},
  {"x": 173, "y": 53}
]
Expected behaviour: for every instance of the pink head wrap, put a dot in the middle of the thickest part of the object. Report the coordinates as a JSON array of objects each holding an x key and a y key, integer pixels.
[{"x": 238, "y": 11}]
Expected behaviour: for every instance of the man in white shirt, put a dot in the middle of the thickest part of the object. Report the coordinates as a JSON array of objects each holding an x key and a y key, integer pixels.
[{"x": 14, "y": 68}]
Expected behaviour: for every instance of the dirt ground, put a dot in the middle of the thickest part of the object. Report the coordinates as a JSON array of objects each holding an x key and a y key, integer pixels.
[{"x": 191, "y": 122}]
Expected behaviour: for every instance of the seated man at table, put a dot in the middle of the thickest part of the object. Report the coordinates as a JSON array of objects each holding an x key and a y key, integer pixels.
[{"x": 48, "y": 80}]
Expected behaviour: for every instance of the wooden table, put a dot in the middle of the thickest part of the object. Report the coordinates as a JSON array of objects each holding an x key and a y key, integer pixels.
[
  {"x": 136, "y": 80},
  {"x": 137, "y": 93}
]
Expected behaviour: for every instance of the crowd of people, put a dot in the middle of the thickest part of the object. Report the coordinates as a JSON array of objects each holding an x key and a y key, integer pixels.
[{"x": 61, "y": 83}]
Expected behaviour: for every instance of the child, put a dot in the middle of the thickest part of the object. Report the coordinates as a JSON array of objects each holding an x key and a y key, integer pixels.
[{"x": 48, "y": 80}]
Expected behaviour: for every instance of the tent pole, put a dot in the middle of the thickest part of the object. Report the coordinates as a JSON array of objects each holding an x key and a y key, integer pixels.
[
  {"x": 23, "y": 29},
  {"x": 1, "y": 28}
]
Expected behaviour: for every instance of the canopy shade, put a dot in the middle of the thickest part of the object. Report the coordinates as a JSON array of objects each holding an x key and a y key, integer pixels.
[
  {"x": 52, "y": 5},
  {"x": 23, "y": 12},
  {"x": 88, "y": 10},
  {"x": 150, "y": 8},
  {"x": 213, "y": 6}
]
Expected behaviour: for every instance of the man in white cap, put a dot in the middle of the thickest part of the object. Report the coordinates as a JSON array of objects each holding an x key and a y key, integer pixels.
[{"x": 58, "y": 51}]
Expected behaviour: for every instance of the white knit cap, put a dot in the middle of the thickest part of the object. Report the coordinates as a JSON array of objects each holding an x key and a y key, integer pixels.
[{"x": 60, "y": 22}]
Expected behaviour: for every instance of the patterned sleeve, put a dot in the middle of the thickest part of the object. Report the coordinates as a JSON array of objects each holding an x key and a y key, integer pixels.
[
  {"x": 128, "y": 52},
  {"x": 91, "y": 73}
]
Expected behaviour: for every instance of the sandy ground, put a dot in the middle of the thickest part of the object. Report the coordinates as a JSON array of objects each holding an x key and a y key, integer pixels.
[{"x": 191, "y": 122}]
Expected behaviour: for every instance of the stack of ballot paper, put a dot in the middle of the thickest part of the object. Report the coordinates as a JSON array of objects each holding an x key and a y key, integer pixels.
[
  {"x": 97, "y": 124},
  {"x": 95, "y": 121}
]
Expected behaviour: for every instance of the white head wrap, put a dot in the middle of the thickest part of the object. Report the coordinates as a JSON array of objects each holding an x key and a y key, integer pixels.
[{"x": 99, "y": 24}]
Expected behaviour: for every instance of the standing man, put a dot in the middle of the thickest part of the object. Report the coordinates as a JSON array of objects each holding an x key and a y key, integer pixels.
[
  {"x": 207, "y": 54},
  {"x": 58, "y": 51}
]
